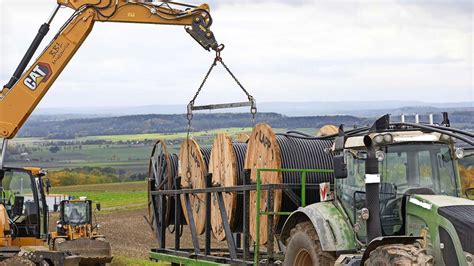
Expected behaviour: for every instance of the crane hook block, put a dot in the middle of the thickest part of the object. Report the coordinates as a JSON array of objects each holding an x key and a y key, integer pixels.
[{"x": 200, "y": 31}]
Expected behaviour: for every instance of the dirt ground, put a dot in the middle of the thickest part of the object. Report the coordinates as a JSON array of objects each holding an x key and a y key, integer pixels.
[{"x": 131, "y": 236}]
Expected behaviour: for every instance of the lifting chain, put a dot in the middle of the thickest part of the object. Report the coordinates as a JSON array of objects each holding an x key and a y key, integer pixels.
[
  {"x": 218, "y": 58},
  {"x": 189, "y": 116}
]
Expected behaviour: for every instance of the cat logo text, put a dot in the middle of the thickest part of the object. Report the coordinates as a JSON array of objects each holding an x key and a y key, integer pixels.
[{"x": 40, "y": 73}]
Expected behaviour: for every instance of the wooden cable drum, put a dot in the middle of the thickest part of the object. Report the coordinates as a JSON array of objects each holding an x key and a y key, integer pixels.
[
  {"x": 243, "y": 137},
  {"x": 194, "y": 161},
  {"x": 327, "y": 130},
  {"x": 227, "y": 168},
  {"x": 162, "y": 173},
  {"x": 273, "y": 151}
]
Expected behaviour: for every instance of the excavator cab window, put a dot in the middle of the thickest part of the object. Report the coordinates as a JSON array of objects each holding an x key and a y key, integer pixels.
[{"x": 19, "y": 187}]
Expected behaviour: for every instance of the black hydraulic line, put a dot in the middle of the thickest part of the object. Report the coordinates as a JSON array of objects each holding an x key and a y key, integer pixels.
[
  {"x": 293, "y": 135},
  {"x": 348, "y": 133},
  {"x": 433, "y": 129},
  {"x": 43, "y": 30},
  {"x": 462, "y": 132},
  {"x": 299, "y": 133}
]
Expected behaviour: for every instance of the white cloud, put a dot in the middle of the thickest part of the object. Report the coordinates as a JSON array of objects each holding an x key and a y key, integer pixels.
[{"x": 305, "y": 50}]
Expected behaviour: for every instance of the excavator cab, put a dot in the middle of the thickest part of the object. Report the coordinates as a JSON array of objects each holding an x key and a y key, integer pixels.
[
  {"x": 23, "y": 202},
  {"x": 24, "y": 219}
]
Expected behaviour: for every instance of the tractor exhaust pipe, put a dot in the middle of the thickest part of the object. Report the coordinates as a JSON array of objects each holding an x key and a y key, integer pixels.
[{"x": 372, "y": 190}]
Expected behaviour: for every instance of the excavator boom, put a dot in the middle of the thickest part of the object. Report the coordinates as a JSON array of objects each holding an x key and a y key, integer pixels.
[{"x": 20, "y": 96}]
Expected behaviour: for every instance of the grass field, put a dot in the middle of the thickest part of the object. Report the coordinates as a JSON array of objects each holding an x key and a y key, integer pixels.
[
  {"x": 181, "y": 135},
  {"x": 128, "y": 152},
  {"x": 111, "y": 196}
]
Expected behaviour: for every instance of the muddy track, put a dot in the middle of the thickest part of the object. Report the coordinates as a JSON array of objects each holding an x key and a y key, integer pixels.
[{"x": 130, "y": 235}]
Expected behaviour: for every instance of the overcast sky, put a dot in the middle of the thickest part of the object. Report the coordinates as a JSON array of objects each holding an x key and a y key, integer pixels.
[{"x": 280, "y": 50}]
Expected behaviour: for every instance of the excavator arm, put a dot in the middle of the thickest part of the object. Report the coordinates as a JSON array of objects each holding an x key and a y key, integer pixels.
[{"x": 25, "y": 89}]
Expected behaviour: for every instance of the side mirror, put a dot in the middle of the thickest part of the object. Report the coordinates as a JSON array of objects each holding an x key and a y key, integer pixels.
[
  {"x": 97, "y": 206},
  {"x": 340, "y": 167},
  {"x": 48, "y": 185}
]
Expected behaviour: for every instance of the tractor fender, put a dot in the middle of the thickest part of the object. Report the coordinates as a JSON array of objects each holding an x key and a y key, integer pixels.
[
  {"x": 387, "y": 240},
  {"x": 334, "y": 230}
]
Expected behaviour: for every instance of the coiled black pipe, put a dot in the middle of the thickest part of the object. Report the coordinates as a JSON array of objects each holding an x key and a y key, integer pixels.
[
  {"x": 174, "y": 161},
  {"x": 206, "y": 155},
  {"x": 174, "y": 172},
  {"x": 304, "y": 153},
  {"x": 240, "y": 149}
]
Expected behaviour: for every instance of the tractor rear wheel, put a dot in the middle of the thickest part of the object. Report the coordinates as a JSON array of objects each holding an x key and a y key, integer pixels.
[
  {"x": 399, "y": 254},
  {"x": 304, "y": 249}
]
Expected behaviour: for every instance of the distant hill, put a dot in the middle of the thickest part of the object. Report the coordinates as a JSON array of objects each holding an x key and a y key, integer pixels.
[
  {"x": 47, "y": 126},
  {"x": 354, "y": 108}
]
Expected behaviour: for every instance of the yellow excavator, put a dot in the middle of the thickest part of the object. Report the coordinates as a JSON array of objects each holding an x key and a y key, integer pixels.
[
  {"x": 24, "y": 219},
  {"x": 23, "y": 210}
]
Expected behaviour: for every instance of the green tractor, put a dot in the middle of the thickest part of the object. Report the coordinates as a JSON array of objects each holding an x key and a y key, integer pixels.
[{"x": 396, "y": 201}]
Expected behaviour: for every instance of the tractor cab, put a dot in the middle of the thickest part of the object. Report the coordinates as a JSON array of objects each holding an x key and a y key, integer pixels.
[{"x": 409, "y": 162}]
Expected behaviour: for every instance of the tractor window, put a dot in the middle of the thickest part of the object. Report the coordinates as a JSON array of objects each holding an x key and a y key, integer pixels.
[
  {"x": 402, "y": 168},
  {"x": 76, "y": 213}
]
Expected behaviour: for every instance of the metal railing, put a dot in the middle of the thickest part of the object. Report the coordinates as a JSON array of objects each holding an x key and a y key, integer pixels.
[{"x": 258, "y": 192}]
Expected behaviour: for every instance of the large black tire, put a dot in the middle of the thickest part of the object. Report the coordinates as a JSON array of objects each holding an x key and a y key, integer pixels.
[
  {"x": 399, "y": 254},
  {"x": 304, "y": 249}
]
